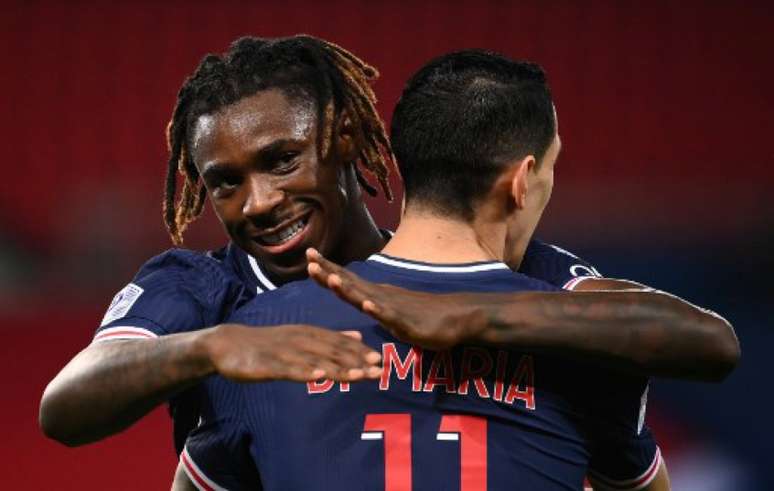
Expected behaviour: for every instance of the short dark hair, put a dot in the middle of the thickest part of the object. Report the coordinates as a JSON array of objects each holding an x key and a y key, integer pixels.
[
  {"x": 303, "y": 67},
  {"x": 460, "y": 119}
]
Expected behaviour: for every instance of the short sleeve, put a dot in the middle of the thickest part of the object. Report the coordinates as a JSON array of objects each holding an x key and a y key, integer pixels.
[
  {"x": 177, "y": 291},
  {"x": 217, "y": 457},
  {"x": 625, "y": 463},
  {"x": 555, "y": 265},
  {"x": 624, "y": 452},
  {"x": 217, "y": 453}
]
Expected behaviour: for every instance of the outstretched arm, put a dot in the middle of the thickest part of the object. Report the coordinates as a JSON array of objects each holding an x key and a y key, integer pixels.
[
  {"x": 112, "y": 384},
  {"x": 621, "y": 324}
]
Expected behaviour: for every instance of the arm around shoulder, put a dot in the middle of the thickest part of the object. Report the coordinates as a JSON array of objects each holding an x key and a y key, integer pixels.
[
  {"x": 696, "y": 342},
  {"x": 111, "y": 384}
]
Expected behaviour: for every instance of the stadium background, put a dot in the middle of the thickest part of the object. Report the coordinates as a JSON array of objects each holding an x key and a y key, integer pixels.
[{"x": 666, "y": 177}]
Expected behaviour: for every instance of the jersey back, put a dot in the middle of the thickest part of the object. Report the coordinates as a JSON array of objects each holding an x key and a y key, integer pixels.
[{"x": 470, "y": 418}]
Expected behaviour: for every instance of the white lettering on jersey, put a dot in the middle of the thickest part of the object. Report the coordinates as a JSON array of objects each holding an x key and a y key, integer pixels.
[{"x": 121, "y": 303}]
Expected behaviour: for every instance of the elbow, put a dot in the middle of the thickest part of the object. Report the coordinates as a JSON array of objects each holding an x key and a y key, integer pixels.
[
  {"x": 53, "y": 422},
  {"x": 725, "y": 353}
]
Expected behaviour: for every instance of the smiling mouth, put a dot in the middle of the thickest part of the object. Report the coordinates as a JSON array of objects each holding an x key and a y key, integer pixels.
[{"x": 285, "y": 234}]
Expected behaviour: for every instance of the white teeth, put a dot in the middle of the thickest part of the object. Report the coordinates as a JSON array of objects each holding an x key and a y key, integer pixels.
[{"x": 285, "y": 234}]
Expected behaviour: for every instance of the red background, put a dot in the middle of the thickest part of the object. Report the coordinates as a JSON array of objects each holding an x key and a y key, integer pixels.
[{"x": 664, "y": 111}]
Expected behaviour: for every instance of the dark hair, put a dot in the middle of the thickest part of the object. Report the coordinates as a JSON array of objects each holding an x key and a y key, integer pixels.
[
  {"x": 334, "y": 79},
  {"x": 460, "y": 119}
]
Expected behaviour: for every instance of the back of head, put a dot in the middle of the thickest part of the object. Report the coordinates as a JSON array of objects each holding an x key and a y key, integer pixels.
[{"x": 460, "y": 120}]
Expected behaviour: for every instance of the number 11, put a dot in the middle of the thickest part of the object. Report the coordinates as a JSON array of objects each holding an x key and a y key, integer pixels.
[{"x": 395, "y": 429}]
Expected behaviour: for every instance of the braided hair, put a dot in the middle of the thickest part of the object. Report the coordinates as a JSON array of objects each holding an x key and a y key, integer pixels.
[{"x": 335, "y": 79}]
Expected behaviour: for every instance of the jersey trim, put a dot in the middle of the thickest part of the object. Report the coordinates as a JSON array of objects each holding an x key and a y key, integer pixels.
[
  {"x": 570, "y": 285},
  {"x": 262, "y": 279},
  {"x": 608, "y": 484},
  {"x": 195, "y": 474},
  {"x": 417, "y": 266},
  {"x": 123, "y": 332}
]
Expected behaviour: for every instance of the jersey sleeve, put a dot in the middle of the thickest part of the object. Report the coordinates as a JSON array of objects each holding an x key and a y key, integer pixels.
[
  {"x": 217, "y": 453},
  {"x": 624, "y": 453},
  {"x": 217, "y": 457},
  {"x": 629, "y": 463},
  {"x": 177, "y": 291},
  {"x": 555, "y": 265}
]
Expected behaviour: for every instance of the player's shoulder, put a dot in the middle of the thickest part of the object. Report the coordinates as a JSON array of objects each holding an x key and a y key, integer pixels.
[
  {"x": 179, "y": 258},
  {"x": 291, "y": 296},
  {"x": 484, "y": 276},
  {"x": 556, "y": 265},
  {"x": 541, "y": 249},
  {"x": 194, "y": 268},
  {"x": 176, "y": 290},
  {"x": 524, "y": 282}
]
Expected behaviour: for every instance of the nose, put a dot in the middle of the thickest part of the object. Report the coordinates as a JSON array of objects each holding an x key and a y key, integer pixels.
[{"x": 262, "y": 196}]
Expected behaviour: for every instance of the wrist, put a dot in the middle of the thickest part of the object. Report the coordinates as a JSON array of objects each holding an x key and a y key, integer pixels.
[{"x": 204, "y": 348}]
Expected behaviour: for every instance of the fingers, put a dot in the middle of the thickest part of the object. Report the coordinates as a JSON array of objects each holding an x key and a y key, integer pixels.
[
  {"x": 307, "y": 368},
  {"x": 316, "y": 272},
  {"x": 348, "y": 290},
  {"x": 292, "y": 352},
  {"x": 314, "y": 256},
  {"x": 302, "y": 373},
  {"x": 370, "y": 308},
  {"x": 342, "y": 356},
  {"x": 326, "y": 273},
  {"x": 345, "y": 284},
  {"x": 317, "y": 373}
]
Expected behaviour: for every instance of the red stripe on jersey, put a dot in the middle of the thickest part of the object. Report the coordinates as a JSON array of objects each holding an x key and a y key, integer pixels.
[
  {"x": 630, "y": 484},
  {"x": 199, "y": 480},
  {"x": 124, "y": 334}
]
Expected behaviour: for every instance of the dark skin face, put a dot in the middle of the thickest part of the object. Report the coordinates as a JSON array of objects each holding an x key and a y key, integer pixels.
[{"x": 271, "y": 189}]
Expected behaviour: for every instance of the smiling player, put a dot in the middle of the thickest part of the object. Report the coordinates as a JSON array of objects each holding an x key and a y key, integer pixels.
[
  {"x": 288, "y": 122},
  {"x": 471, "y": 418}
]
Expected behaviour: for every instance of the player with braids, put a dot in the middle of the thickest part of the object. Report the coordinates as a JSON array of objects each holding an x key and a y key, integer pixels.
[
  {"x": 285, "y": 178},
  {"x": 276, "y": 133},
  {"x": 254, "y": 64}
]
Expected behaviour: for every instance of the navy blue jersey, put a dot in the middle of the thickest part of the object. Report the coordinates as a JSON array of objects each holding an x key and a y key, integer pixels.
[
  {"x": 182, "y": 290},
  {"x": 471, "y": 418},
  {"x": 555, "y": 265}
]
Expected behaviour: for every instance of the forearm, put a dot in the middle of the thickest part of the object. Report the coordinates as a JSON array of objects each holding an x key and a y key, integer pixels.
[
  {"x": 110, "y": 385},
  {"x": 640, "y": 332}
]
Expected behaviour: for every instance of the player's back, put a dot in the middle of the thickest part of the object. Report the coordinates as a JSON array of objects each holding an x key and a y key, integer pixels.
[{"x": 471, "y": 418}]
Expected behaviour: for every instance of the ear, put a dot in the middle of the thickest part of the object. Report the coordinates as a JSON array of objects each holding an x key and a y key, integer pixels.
[
  {"x": 520, "y": 180},
  {"x": 346, "y": 150}
]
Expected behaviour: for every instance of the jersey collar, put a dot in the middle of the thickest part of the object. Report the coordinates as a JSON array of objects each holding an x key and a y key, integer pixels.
[
  {"x": 438, "y": 268},
  {"x": 259, "y": 276}
]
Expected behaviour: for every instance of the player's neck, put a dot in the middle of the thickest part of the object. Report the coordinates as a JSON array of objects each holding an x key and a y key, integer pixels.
[
  {"x": 364, "y": 237},
  {"x": 429, "y": 238}
]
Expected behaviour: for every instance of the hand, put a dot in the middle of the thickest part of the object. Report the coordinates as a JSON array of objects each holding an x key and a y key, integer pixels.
[
  {"x": 434, "y": 321},
  {"x": 298, "y": 353}
]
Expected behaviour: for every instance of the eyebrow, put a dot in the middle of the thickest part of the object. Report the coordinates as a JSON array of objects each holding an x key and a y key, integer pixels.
[
  {"x": 213, "y": 169},
  {"x": 274, "y": 148}
]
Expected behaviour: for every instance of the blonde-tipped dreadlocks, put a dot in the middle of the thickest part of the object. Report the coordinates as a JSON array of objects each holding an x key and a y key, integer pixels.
[{"x": 338, "y": 81}]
